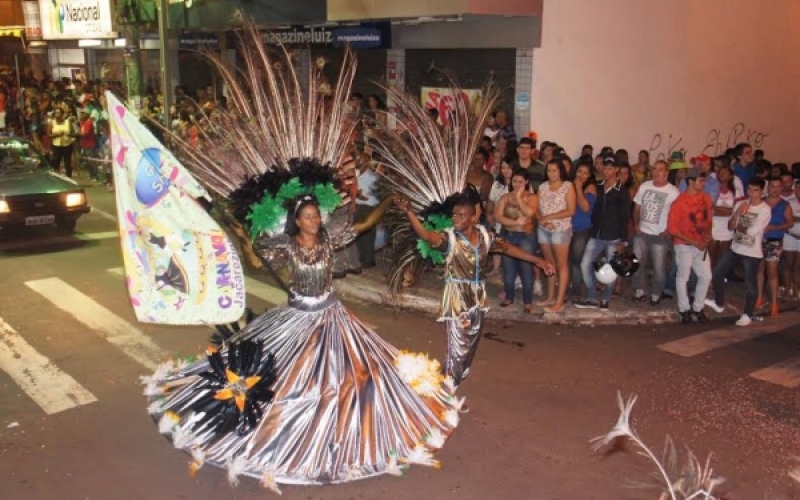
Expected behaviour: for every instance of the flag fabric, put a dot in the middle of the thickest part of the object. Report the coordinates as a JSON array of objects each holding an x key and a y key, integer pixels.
[{"x": 180, "y": 267}]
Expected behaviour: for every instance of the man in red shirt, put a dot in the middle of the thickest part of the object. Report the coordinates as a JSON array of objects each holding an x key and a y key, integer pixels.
[
  {"x": 88, "y": 143},
  {"x": 689, "y": 224}
]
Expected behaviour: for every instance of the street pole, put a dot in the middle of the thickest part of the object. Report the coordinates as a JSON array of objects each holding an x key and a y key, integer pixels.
[
  {"x": 163, "y": 33},
  {"x": 133, "y": 66}
]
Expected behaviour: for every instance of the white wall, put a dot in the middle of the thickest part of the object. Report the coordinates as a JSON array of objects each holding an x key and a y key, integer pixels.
[{"x": 698, "y": 75}]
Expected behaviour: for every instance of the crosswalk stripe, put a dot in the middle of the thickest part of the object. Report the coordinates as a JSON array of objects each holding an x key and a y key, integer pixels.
[
  {"x": 714, "y": 339},
  {"x": 103, "y": 214},
  {"x": 786, "y": 373},
  {"x": 52, "y": 389},
  {"x": 105, "y": 235},
  {"x": 108, "y": 325}
]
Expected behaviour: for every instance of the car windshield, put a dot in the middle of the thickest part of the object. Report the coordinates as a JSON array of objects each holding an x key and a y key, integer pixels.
[{"x": 18, "y": 155}]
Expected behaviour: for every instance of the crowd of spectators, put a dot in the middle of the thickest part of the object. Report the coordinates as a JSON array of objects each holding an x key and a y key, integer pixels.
[{"x": 694, "y": 224}]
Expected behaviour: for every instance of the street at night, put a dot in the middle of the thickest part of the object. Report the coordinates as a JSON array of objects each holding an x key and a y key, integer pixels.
[{"x": 537, "y": 394}]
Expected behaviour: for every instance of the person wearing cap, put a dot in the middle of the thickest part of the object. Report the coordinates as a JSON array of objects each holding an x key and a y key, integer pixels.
[
  {"x": 750, "y": 218},
  {"x": 689, "y": 224},
  {"x": 651, "y": 241},
  {"x": 703, "y": 163},
  {"x": 609, "y": 233}
]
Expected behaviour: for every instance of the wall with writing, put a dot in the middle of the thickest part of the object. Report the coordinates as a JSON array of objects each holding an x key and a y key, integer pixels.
[{"x": 690, "y": 75}]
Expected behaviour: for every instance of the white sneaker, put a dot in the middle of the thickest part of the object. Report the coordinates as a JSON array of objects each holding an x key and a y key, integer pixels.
[
  {"x": 744, "y": 320},
  {"x": 716, "y": 307},
  {"x": 537, "y": 288}
]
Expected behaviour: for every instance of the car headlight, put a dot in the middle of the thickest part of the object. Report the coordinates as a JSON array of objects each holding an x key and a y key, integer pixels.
[
  {"x": 4, "y": 208},
  {"x": 75, "y": 199}
]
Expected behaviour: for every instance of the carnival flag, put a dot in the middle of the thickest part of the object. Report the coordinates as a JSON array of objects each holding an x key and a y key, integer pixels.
[{"x": 180, "y": 267}]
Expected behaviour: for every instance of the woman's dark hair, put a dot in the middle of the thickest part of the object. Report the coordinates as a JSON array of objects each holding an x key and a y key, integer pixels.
[
  {"x": 499, "y": 178},
  {"x": 519, "y": 172},
  {"x": 292, "y": 229},
  {"x": 562, "y": 171},
  {"x": 379, "y": 102},
  {"x": 629, "y": 183},
  {"x": 731, "y": 183},
  {"x": 583, "y": 163}
]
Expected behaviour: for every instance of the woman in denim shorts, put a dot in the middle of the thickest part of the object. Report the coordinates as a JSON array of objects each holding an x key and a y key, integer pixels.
[{"x": 556, "y": 207}]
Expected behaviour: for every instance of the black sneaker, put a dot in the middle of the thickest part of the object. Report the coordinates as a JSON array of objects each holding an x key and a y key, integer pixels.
[
  {"x": 686, "y": 317},
  {"x": 700, "y": 317},
  {"x": 640, "y": 298},
  {"x": 587, "y": 304},
  {"x": 603, "y": 304},
  {"x": 655, "y": 302}
]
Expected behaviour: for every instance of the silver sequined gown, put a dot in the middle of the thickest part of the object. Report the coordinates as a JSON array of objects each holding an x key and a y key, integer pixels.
[
  {"x": 463, "y": 305},
  {"x": 341, "y": 410}
]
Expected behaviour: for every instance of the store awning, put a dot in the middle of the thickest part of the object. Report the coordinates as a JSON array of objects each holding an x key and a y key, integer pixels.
[
  {"x": 356, "y": 10},
  {"x": 15, "y": 31}
]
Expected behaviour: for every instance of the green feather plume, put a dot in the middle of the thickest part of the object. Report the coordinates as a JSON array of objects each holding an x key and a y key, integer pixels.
[
  {"x": 327, "y": 197},
  {"x": 437, "y": 223}
]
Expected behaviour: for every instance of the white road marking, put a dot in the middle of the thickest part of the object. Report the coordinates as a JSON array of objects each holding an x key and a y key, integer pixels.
[
  {"x": 108, "y": 325},
  {"x": 714, "y": 339},
  {"x": 254, "y": 287},
  {"x": 106, "y": 235},
  {"x": 52, "y": 389},
  {"x": 103, "y": 214},
  {"x": 786, "y": 373}
]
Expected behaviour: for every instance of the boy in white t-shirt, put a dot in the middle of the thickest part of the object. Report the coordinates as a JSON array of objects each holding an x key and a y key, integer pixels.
[{"x": 750, "y": 218}]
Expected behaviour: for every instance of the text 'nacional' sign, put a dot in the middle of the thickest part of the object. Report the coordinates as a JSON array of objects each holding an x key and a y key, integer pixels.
[{"x": 76, "y": 19}]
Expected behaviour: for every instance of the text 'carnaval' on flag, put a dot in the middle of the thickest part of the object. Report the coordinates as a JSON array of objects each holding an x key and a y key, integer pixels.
[{"x": 180, "y": 267}]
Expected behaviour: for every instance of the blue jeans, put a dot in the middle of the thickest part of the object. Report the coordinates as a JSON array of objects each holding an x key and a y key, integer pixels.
[
  {"x": 651, "y": 248},
  {"x": 594, "y": 248},
  {"x": 576, "y": 249},
  {"x": 513, "y": 267},
  {"x": 726, "y": 263}
]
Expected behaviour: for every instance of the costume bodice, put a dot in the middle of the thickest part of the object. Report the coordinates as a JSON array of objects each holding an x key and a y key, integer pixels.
[{"x": 310, "y": 269}]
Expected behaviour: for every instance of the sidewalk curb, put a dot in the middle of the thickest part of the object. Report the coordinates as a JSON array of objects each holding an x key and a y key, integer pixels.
[{"x": 366, "y": 290}]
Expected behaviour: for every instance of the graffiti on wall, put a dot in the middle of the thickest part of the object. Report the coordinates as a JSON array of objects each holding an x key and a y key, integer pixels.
[{"x": 716, "y": 141}]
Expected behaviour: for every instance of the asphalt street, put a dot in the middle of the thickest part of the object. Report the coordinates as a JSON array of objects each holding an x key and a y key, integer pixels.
[{"x": 74, "y": 425}]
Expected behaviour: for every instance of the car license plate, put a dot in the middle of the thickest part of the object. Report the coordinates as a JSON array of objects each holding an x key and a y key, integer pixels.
[{"x": 39, "y": 220}]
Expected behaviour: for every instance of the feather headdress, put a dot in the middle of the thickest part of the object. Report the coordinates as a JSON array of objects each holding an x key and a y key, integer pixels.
[
  {"x": 428, "y": 165},
  {"x": 279, "y": 126}
]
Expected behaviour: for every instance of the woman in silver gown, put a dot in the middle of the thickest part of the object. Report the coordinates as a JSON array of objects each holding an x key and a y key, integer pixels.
[{"x": 344, "y": 405}]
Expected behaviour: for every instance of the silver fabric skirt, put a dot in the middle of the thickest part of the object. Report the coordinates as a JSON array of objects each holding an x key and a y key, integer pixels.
[{"x": 343, "y": 408}]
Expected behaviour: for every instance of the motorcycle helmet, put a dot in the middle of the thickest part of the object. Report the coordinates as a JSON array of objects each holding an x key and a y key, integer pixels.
[
  {"x": 622, "y": 264},
  {"x": 604, "y": 273},
  {"x": 625, "y": 263}
]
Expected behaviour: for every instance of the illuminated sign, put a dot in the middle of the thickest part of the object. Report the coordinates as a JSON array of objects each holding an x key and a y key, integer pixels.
[{"x": 76, "y": 19}]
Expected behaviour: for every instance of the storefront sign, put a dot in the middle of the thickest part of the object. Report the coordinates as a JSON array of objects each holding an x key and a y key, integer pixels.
[
  {"x": 198, "y": 41},
  {"x": 366, "y": 36},
  {"x": 33, "y": 21},
  {"x": 76, "y": 19},
  {"x": 443, "y": 100}
]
